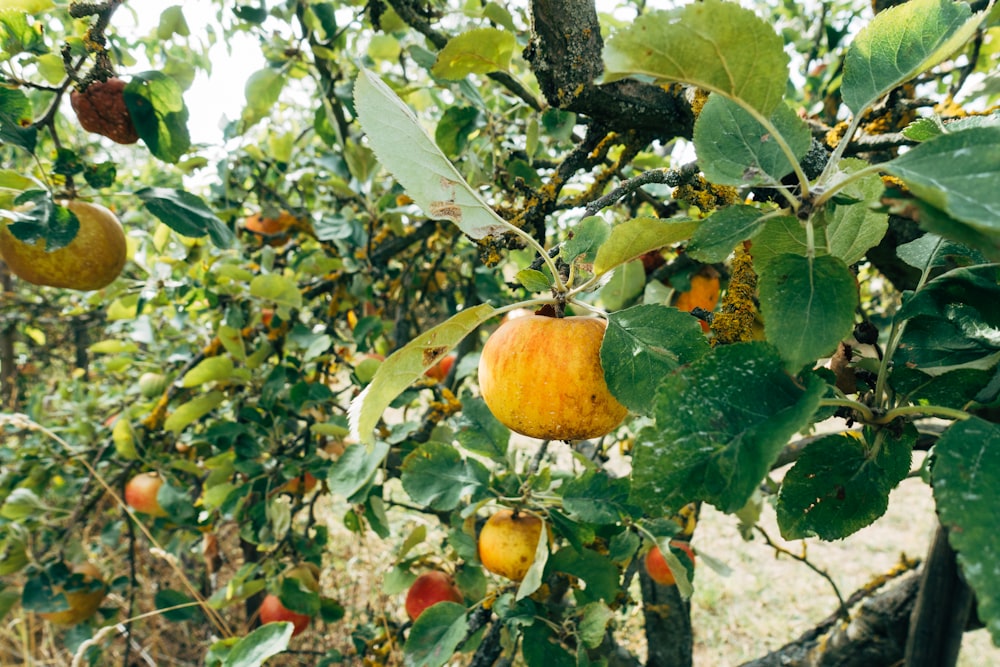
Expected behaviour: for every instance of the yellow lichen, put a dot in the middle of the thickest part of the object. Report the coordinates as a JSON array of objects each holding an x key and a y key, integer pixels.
[{"x": 734, "y": 322}]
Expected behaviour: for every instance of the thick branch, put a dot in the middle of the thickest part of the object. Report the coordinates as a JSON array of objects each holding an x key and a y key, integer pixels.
[
  {"x": 668, "y": 624},
  {"x": 565, "y": 53}
]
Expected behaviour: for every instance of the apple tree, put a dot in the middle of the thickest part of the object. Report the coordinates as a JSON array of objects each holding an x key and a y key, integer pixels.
[{"x": 778, "y": 218}]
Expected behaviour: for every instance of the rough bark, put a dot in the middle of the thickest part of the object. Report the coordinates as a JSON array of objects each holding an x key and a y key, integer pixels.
[
  {"x": 875, "y": 636},
  {"x": 565, "y": 54},
  {"x": 942, "y": 609}
]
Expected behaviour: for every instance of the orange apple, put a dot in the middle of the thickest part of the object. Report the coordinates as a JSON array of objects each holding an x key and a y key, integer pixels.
[
  {"x": 542, "y": 377},
  {"x": 429, "y": 589},
  {"x": 301, "y": 485},
  {"x": 91, "y": 261},
  {"x": 656, "y": 564},
  {"x": 272, "y": 611},
  {"x": 440, "y": 370},
  {"x": 141, "y": 492},
  {"x": 270, "y": 230},
  {"x": 507, "y": 543},
  {"x": 84, "y": 591}
]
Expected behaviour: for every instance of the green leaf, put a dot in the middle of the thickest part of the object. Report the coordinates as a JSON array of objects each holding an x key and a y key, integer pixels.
[
  {"x": 196, "y": 408},
  {"x": 953, "y": 322},
  {"x": 780, "y": 236},
  {"x": 280, "y": 289},
  {"x": 167, "y": 598},
  {"x": 924, "y": 129},
  {"x": 841, "y": 484},
  {"x": 720, "y": 424},
  {"x": 18, "y": 35},
  {"x": 355, "y": 467},
  {"x": 957, "y": 173},
  {"x": 265, "y": 642},
  {"x": 454, "y": 129},
  {"x": 705, "y": 44},
  {"x": 409, "y": 363},
  {"x": 42, "y": 220},
  {"x": 931, "y": 251},
  {"x": 953, "y": 389},
  {"x": 808, "y": 306},
  {"x": 624, "y": 287},
  {"x": 634, "y": 238},
  {"x": 187, "y": 214},
  {"x": 476, "y": 51},
  {"x": 596, "y": 497},
  {"x": 435, "y": 635},
  {"x": 533, "y": 281},
  {"x": 901, "y": 42},
  {"x": 714, "y": 239},
  {"x": 593, "y": 624},
  {"x": 480, "y": 432},
  {"x": 156, "y": 105},
  {"x": 436, "y": 475},
  {"x": 587, "y": 237},
  {"x": 22, "y": 503},
  {"x": 597, "y": 570},
  {"x": 851, "y": 229},
  {"x": 534, "y": 576},
  {"x": 540, "y": 647},
  {"x": 966, "y": 481},
  {"x": 211, "y": 369},
  {"x": 735, "y": 149},
  {"x": 406, "y": 150},
  {"x": 642, "y": 345},
  {"x": 938, "y": 222},
  {"x": 16, "y": 126}
]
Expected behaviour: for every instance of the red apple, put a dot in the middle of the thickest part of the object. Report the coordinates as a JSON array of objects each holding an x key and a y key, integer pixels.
[
  {"x": 656, "y": 564},
  {"x": 440, "y": 370},
  {"x": 272, "y": 611},
  {"x": 429, "y": 589},
  {"x": 141, "y": 492}
]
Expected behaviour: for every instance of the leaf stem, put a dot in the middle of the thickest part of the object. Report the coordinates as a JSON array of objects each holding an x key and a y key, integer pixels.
[
  {"x": 834, "y": 188},
  {"x": 838, "y": 152},
  {"x": 800, "y": 175},
  {"x": 560, "y": 286},
  {"x": 923, "y": 411},
  {"x": 866, "y": 413}
]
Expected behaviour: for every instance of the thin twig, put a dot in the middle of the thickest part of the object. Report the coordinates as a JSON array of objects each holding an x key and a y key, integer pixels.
[
  {"x": 802, "y": 559},
  {"x": 671, "y": 177}
]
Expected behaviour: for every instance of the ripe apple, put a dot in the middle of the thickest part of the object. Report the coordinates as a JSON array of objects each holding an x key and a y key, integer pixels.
[
  {"x": 300, "y": 485},
  {"x": 542, "y": 377},
  {"x": 141, "y": 492},
  {"x": 429, "y": 589},
  {"x": 91, "y": 261},
  {"x": 440, "y": 370},
  {"x": 656, "y": 565},
  {"x": 271, "y": 611},
  {"x": 84, "y": 592},
  {"x": 270, "y": 230},
  {"x": 507, "y": 543}
]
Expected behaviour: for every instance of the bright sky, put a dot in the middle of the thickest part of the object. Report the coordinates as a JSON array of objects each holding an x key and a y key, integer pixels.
[{"x": 210, "y": 101}]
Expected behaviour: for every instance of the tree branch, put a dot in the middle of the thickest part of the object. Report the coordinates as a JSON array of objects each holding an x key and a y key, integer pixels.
[{"x": 566, "y": 54}]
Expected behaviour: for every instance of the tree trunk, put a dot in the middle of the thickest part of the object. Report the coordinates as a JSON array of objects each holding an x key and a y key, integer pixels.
[
  {"x": 668, "y": 624},
  {"x": 941, "y": 611}
]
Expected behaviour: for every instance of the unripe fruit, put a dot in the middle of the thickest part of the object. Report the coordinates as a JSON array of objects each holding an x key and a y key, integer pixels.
[
  {"x": 141, "y": 494},
  {"x": 440, "y": 370},
  {"x": 91, "y": 261},
  {"x": 507, "y": 543},
  {"x": 271, "y": 611},
  {"x": 87, "y": 590},
  {"x": 656, "y": 564},
  {"x": 542, "y": 377},
  {"x": 429, "y": 589},
  {"x": 152, "y": 385}
]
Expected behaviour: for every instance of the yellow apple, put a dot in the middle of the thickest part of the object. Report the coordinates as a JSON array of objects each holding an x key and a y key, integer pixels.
[
  {"x": 507, "y": 543},
  {"x": 91, "y": 261},
  {"x": 542, "y": 377},
  {"x": 84, "y": 593}
]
